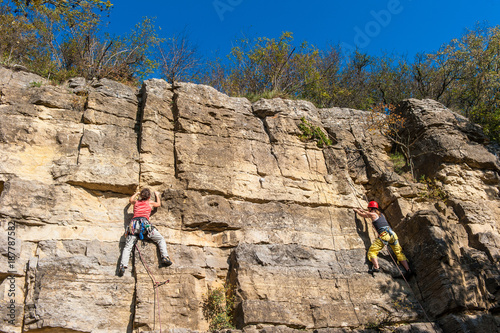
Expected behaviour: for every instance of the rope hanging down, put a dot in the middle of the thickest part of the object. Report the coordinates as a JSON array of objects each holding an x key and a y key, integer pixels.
[
  {"x": 155, "y": 287},
  {"x": 390, "y": 254},
  {"x": 355, "y": 192}
]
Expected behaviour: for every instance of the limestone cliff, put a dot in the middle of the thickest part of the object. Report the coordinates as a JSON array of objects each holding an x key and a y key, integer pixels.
[{"x": 245, "y": 202}]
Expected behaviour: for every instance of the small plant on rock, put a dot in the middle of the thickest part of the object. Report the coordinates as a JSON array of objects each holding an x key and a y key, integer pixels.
[
  {"x": 311, "y": 132},
  {"x": 35, "y": 84},
  {"x": 218, "y": 308},
  {"x": 432, "y": 189}
]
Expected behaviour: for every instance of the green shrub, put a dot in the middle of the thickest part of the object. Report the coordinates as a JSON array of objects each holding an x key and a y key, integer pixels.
[
  {"x": 218, "y": 308},
  {"x": 433, "y": 190},
  {"x": 399, "y": 162},
  {"x": 311, "y": 132}
]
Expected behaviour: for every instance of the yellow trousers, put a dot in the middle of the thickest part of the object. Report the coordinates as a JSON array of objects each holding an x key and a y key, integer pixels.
[{"x": 392, "y": 240}]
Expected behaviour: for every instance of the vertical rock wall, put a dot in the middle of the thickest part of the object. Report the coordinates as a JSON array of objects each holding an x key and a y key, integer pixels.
[{"x": 245, "y": 202}]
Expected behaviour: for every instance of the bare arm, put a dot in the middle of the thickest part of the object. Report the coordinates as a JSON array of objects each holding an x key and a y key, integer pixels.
[
  {"x": 133, "y": 198},
  {"x": 366, "y": 214},
  {"x": 156, "y": 203}
]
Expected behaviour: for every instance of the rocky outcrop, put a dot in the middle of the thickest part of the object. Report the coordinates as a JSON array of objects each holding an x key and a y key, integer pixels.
[{"x": 246, "y": 204}]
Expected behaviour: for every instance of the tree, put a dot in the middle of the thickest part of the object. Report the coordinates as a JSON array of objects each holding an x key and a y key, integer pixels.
[
  {"x": 268, "y": 65},
  {"x": 325, "y": 90},
  {"x": 477, "y": 92},
  {"x": 179, "y": 58},
  {"x": 435, "y": 74},
  {"x": 391, "y": 79},
  {"x": 355, "y": 80},
  {"x": 47, "y": 19},
  {"x": 123, "y": 58},
  {"x": 214, "y": 72},
  {"x": 60, "y": 39},
  {"x": 17, "y": 37},
  {"x": 465, "y": 75}
]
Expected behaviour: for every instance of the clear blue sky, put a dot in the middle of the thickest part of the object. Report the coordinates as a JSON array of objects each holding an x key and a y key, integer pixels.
[{"x": 401, "y": 26}]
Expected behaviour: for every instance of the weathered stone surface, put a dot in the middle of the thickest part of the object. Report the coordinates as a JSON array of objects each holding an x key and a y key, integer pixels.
[
  {"x": 68, "y": 275},
  {"x": 195, "y": 269},
  {"x": 472, "y": 323},
  {"x": 245, "y": 203},
  {"x": 18, "y": 78},
  {"x": 443, "y": 137},
  {"x": 302, "y": 287},
  {"x": 157, "y": 134}
]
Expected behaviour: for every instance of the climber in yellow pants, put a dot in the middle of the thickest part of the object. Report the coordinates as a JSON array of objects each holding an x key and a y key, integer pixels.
[
  {"x": 390, "y": 238},
  {"x": 386, "y": 236}
]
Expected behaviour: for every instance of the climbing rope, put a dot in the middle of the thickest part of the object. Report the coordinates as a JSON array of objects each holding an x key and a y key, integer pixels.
[
  {"x": 375, "y": 232},
  {"x": 155, "y": 287},
  {"x": 404, "y": 278},
  {"x": 355, "y": 192},
  {"x": 390, "y": 254}
]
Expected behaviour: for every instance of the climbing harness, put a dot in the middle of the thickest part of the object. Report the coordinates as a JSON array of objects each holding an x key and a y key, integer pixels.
[
  {"x": 140, "y": 226},
  {"x": 387, "y": 231},
  {"x": 156, "y": 285}
]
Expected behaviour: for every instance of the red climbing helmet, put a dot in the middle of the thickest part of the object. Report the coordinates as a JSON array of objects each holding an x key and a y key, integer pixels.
[{"x": 373, "y": 204}]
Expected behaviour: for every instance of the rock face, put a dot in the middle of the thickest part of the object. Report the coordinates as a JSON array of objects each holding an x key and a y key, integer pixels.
[{"x": 246, "y": 204}]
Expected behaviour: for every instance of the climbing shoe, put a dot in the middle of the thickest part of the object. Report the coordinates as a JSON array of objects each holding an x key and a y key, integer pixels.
[
  {"x": 408, "y": 274},
  {"x": 166, "y": 261},
  {"x": 374, "y": 270},
  {"x": 121, "y": 271}
]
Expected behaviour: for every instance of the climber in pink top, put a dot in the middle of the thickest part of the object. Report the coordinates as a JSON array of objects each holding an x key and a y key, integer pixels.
[{"x": 140, "y": 227}]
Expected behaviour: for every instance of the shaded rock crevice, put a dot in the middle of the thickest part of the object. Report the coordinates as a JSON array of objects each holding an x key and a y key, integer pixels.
[
  {"x": 272, "y": 141},
  {"x": 177, "y": 129}
]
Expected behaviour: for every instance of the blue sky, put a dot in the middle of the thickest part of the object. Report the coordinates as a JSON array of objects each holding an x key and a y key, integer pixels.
[{"x": 375, "y": 26}]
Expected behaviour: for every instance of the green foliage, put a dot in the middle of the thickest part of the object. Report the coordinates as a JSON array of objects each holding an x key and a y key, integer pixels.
[
  {"x": 36, "y": 84},
  {"x": 265, "y": 65},
  {"x": 311, "y": 132},
  {"x": 253, "y": 97},
  {"x": 390, "y": 80},
  {"x": 218, "y": 308},
  {"x": 399, "y": 162},
  {"x": 179, "y": 58},
  {"x": 489, "y": 118},
  {"x": 62, "y": 39},
  {"x": 464, "y": 75},
  {"x": 123, "y": 58},
  {"x": 382, "y": 118},
  {"x": 433, "y": 190},
  {"x": 332, "y": 77}
]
